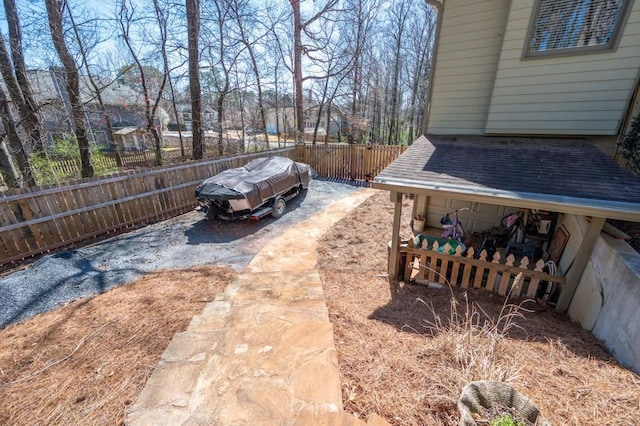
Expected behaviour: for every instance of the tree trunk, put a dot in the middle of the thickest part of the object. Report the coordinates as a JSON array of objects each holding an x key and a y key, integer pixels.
[
  {"x": 354, "y": 97},
  {"x": 317, "y": 125},
  {"x": 256, "y": 74},
  {"x": 175, "y": 114},
  {"x": 29, "y": 116},
  {"x": 193, "y": 29},
  {"x": 96, "y": 89},
  {"x": 16, "y": 145},
  {"x": 54, "y": 12},
  {"x": 297, "y": 70},
  {"x": 392, "y": 137},
  {"x": 393, "y": 113},
  {"x": 221, "y": 97},
  {"x": 10, "y": 175},
  {"x": 414, "y": 93},
  {"x": 328, "y": 121},
  {"x": 277, "y": 103},
  {"x": 14, "y": 142}
]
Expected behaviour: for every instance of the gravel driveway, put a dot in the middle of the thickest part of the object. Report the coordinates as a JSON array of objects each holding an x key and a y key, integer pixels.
[{"x": 181, "y": 242}]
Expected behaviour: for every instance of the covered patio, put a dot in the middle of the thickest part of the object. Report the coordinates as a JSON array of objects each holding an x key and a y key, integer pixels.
[{"x": 569, "y": 179}]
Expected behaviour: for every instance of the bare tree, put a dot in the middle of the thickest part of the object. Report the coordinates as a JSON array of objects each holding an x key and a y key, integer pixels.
[
  {"x": 193, "y": 29},
  {"x": 301, "y": 26},
  {"x": 243, "y": 16},
  {"x": 275, "y": 48},
  {"x": 151, "y": 100},
  {"x": 297, "y": 69},
  {"x": 54, "y": 13},
  {"x": 223, "y": 51},
  {"x": 97, "y": 86},
  {"x": 363, "y": 14},
  {"x": 399, "y": 15},
  {"x": 16, "y": 145},
  {"x": 10, "y": 175},
  {"x": 421, "y": 29},
  {"x": 26, "y": 103},
  {"x": 11, "y": 134}
]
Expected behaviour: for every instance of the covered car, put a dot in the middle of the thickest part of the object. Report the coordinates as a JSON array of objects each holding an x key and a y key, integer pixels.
[{"x": 261, "y": 187}]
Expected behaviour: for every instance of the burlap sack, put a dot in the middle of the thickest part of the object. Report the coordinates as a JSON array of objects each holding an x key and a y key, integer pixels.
[{"x": 480, "y": 396}]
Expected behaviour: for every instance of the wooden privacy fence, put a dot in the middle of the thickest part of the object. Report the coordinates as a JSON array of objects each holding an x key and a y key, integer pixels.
[
  {"x": 434, "y": 264},
  {"x": 340, "y": 161},
  {"x": 354, "y": 162},
  {"x": 108, "y": 161},
  {"x": 39, "y": 220},
  {"x": 69, "y": 167}
]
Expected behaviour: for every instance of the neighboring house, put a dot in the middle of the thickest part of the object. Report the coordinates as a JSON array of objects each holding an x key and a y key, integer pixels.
[
  {"x": 185, "y": 118},
  {"x": 286, "y": 121},
  {"x": 125, "y": 107},
  {"x": 336, "y": 123},
  {"x": 528, "y": 100},
  {"x": 281, "y": 120}
]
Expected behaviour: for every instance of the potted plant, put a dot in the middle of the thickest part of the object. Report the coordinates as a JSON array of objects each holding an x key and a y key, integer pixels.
[{"x": 417, "y": 224}]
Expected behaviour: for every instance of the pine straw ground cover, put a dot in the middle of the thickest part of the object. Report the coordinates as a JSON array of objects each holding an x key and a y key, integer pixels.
[
  {"x": 86, "y": 362},
  {"x": 405, "y": 356}
]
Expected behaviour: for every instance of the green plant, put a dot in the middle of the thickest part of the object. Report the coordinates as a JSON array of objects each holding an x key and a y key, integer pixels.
[
  {"x": 630, "y": 146},
  {"x": 505, "y": 420},
  {"x": 63, "y": 162}
]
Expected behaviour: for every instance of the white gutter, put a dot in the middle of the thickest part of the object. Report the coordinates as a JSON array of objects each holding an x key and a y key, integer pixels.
[{"x": 559, "y": 203}]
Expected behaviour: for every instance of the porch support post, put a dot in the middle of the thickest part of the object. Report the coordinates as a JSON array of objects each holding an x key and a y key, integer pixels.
[
  {"x": 579, "y": 263},
  {"x": 396, "y": 199}
]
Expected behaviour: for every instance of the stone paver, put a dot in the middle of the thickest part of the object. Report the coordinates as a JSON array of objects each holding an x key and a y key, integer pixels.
[{"x": 262, "y": 353}]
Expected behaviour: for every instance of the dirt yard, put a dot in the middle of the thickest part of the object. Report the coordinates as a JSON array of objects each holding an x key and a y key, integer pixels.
[
  {"x": 405, "y": 353},
  {"x": 402, "y": 353},
  {"x": 86, "y": 362}
]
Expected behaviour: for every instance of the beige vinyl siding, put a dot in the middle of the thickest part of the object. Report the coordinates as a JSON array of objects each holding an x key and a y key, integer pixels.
[
  {"x": 572, "y": 95},
  {"x": 467, "y": 58}
]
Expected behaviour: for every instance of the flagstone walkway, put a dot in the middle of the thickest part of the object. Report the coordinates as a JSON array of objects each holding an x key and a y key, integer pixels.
[{"x": 262, "y": 353}]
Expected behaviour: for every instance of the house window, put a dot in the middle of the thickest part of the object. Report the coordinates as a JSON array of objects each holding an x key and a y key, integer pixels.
[{"x": 560, "y": 27}]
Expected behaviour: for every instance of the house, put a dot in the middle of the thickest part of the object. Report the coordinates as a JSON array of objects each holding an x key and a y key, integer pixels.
[
  {"x": 337, "y": 120},
  {"x": 528, "y": 100},
  {"x": 507, "y": 68},
  {"x": 283, "y": 119},
  {"x": 185, "y": 118},
  {"x": 124, "y": 106}
]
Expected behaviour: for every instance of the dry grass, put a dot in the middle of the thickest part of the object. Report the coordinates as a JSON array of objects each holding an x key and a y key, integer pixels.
[
  {"x": 87, "y": 361},
  {"x": 407, "y": 351}
]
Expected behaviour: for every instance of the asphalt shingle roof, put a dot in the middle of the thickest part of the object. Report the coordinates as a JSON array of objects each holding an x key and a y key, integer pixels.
[{"x": 569, "y": 171}]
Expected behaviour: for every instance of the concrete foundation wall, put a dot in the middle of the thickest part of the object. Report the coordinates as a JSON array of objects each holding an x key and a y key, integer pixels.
[{"x": 607, "y": 299}]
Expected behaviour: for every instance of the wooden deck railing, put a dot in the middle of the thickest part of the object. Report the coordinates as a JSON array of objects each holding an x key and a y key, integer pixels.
[{"x": 432, "y": 264}]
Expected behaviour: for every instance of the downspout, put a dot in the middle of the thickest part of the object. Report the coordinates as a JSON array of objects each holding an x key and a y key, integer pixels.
[
  {"x": 627, "y": 119},
  {"x": 439, "y": 6}
]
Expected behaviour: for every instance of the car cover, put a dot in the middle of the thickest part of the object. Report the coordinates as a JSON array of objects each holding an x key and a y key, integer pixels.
[{"x": 259, "y": 180}]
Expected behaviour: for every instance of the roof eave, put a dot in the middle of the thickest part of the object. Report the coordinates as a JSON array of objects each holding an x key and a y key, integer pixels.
[{"x": 580, "y": 206}]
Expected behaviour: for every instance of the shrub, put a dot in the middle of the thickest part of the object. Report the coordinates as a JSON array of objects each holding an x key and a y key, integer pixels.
[
  {"x": 630, "y": 146},
  {"x": 63, "y": 162},
  {"x": 505, "y": 420}
]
